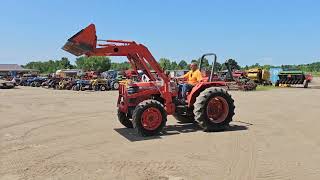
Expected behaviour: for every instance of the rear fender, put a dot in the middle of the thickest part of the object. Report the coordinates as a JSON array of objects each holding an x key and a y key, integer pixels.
[{"x": 196, "y": 90}]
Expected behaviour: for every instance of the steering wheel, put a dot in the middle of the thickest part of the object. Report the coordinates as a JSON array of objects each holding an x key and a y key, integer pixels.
[{"x": 178, "y": 80}]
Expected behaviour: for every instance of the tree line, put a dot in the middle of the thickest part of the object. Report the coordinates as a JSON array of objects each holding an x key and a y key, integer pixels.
[
  {"x": 94, "y": 63},
  {"x": 102, "y": 64}
]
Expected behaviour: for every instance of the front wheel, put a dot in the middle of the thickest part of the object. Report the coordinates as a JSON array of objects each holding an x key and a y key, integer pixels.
[
  {"x": 56, "y": 86},
  {"x": 82, "y": 88},
  {"x": 214, "y": 109},
  {"x": 149, "y": 118},
  {"x": 305, "y": 84},
  {"x": 103, "y": 88},
  {"x": 124, "y": 120},
  {"x": 96, "y": 88}
]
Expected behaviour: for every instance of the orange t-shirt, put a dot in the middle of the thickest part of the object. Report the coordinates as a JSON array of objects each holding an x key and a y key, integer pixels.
[{"x": 193, "y": 77}]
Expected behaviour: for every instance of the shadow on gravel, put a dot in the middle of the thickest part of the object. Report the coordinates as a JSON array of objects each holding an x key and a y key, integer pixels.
[
  {"x": 315, "y": 87},
  {"x": 169, "y": 130},
  {"x": 132, "y": 136}
]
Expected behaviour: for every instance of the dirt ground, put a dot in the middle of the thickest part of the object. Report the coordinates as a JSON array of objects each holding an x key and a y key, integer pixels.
[{"x": 52, "y": 134}]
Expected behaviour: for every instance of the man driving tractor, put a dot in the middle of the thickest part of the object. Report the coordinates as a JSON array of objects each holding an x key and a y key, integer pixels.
[{"x": 193, "y": 77}]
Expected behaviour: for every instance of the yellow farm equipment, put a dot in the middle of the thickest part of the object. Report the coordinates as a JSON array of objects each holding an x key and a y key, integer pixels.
[{"x": 259, "y": 76}]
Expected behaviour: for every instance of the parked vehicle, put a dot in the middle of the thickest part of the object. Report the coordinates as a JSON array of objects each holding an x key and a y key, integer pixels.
[
  {"x": 66, "y": 83},
  {"x": 293, "y": 77},
  {"x": 113, "y": 78},
  {"x": 100, "y": 84},
  {"x": 82, "y": 85},
  {"x": 6, "y": 84},
  {"x": 259, "y": 76},
  {"x": 36, "y": 82},
  {"x": 54, "y": 82}
]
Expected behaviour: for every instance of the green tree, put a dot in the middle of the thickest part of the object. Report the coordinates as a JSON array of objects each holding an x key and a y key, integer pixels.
[
  {"x": 174, "y": 65},
  {"x": 183, "y": 64},
  {"x": 94, "y": 63},
  {"x": 49, "y": 66},
  {"x": 218, "y": 67},
  {"x": 233, "y": 64},
  {"x": 64, "y": 63},
  {"x": 120, "y": 66},
  {"x": 165, "y": 63},
  {"x": 205, "y": 63}
]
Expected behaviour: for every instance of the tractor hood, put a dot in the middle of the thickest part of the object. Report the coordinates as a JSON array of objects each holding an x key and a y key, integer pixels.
[{"x": 83, "y": 42}]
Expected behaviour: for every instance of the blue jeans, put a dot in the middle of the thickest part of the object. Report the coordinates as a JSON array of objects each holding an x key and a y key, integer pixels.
[{"x": 183, "y": 89}]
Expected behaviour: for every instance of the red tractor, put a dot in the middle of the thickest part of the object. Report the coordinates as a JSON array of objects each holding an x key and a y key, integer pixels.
[{"x": 144, "y": 106}]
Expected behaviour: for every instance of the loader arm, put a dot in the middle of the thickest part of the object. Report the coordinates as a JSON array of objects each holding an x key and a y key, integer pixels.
[{"x": 140, "y": 58}]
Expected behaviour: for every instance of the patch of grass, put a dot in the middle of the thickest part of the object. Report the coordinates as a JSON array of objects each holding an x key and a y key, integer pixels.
[
  {"x": 315, "y": 74},
  {"x": 264, "y": 88}
]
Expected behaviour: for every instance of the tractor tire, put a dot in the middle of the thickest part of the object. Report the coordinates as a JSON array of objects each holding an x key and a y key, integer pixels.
[
  {"x": 56, "y": 86},
  {"x": 305, "y": 84},
  {"x": 115, "y": 85},
  {"x": 75, "y": 88},
  {"x": 184, "y": 118},
  {"x": 103, "y": 88},
  {"x": 96, "y": 88},
  {"x": 69, "y": 87},
  {"x": 149, "y": 118},
  {"x": 214, "y": 109},
  {"x": 35, "y": 84},
  {"x": 124, "y": 120}
]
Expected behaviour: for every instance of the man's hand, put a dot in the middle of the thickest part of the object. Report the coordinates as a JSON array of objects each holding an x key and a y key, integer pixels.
[{"x": 179, "y": 79}]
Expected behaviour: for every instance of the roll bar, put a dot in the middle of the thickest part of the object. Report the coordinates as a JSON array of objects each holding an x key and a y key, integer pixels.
[{"x": 214, "y": 62}]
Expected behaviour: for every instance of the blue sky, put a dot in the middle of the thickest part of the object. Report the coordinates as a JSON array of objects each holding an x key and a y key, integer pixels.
[{"x": 266, "y": 32}]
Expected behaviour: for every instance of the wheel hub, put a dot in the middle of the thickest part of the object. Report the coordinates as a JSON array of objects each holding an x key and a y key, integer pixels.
[
  {"x": 217, "y": 109},
  {"x": 151, "y": 118}
]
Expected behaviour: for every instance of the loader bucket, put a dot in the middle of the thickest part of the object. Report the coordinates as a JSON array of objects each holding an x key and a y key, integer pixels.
[{"x": 83, "y": 42}]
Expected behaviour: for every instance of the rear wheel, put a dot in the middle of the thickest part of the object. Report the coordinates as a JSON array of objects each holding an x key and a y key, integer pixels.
[
  {"x": 124, "y": 120},
  {"x": 149, "y": 118},
  {"x": 115, "y": 85},
  {"x": 75, "y": 88},
  {"x": 214, "y": 109}
]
